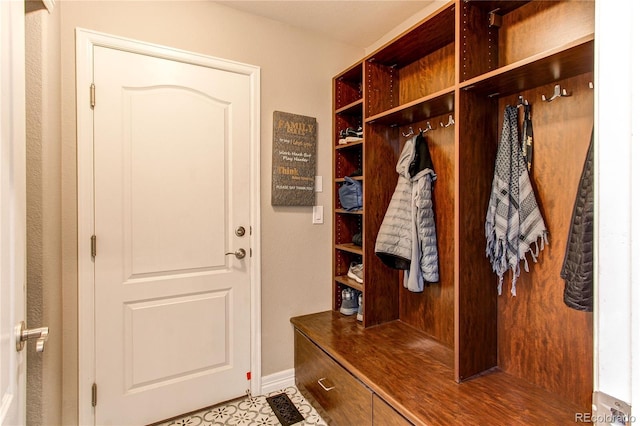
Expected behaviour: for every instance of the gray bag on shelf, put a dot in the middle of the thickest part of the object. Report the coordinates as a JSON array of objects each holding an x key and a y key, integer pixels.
[{"x": 350, "y": 194}]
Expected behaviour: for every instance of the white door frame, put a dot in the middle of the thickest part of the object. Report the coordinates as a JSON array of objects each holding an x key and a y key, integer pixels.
[{"x": 85, "y": 42}]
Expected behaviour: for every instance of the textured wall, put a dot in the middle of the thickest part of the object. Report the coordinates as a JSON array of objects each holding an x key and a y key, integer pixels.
[{"x": 44, "y": 260}]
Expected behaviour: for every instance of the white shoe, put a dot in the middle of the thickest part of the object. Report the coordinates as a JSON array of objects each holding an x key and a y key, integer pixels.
[{"x": 355, "y": 272}]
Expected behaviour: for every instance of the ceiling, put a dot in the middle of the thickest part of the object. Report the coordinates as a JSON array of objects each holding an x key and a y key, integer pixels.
[{"x": 359, "y": 23}]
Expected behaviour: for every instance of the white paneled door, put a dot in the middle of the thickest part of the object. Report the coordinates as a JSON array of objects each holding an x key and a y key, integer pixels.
[
  {"x": 12, "y": 211},
  {"x": 172, "y": 249}
]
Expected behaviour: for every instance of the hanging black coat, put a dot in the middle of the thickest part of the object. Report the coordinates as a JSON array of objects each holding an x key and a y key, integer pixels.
[{"x": 577, "y": 269}]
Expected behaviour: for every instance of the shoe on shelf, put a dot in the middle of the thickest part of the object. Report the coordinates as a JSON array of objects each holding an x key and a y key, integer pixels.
[
  {"x": 359, "y": 314},
  {"x": 349, "y": 304},
  {"x": 357, "y": 133},
  {"x": 355, "y": 272}
]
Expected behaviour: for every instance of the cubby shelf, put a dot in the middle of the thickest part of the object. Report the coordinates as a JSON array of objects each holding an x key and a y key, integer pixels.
[
  {"x": 556, "y": 64},
  {"x": 354, "y": 108},
  {"x": 349, "y": 145},
  {"x": 352, "y": 248},
  {"x": 340, "y": 180},
  {"x": 419, "y": 41},
  {"x": 350, "y": 212},
  {"x": 421, "y": 109},
  {"x": 345, "y": 280}
]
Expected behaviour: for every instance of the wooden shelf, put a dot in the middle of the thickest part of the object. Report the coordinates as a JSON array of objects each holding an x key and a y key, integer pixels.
[
  {"x": 350, "y": 247},
  {"x": 359, "y": 178},
  {"x": 345, "y": 280},
  {"x": 546, "y": 67},
  {"x": 349, "y": 145},
  {"x": 424, "y": 108},
  {"x": 355, "y": 212},
  {"x": 354, "y": 108},
  {"x": 432, "y": 34}
]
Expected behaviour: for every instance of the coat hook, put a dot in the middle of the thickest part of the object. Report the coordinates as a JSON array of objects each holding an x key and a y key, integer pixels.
[
  {"x": 522, "y": 101},
  {"x": 557, "y": 92},
  {"x": 451, "y": 122},
  {"x": 426, "y": 129},
  {"x": 409, "y": 133}
]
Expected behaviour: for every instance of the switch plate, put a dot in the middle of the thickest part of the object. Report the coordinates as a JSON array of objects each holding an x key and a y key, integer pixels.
[
  {"x": 318, "y": 215},
  {"x": 318, "y": 183}
]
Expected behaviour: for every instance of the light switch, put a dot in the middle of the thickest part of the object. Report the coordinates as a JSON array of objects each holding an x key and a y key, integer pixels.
[
  {"x": 318, "y": 215},
  {"x": 318, "y": 183}
]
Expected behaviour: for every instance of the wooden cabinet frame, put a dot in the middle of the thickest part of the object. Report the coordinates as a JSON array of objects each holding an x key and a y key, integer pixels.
[{"x": 468, "y": 60}]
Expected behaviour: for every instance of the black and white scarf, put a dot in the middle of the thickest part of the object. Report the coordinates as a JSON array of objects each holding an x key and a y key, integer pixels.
[{"x": 514, "y": 221}]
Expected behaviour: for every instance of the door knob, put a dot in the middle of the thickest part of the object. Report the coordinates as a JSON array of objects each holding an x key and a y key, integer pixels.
[
  {"x": 40, "y": 335},
  {"x": 239, "y": 254}
]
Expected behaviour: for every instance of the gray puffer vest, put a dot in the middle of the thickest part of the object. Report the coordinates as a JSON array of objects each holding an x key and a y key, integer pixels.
[{"x": 407, "y": 237}]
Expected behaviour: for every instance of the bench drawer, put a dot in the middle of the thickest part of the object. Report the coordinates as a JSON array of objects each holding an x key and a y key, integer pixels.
[{"x": 339, "y": 397}]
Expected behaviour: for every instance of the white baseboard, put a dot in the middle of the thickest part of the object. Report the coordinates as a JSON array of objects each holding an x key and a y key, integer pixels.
[{"x": 277, "y": 381}]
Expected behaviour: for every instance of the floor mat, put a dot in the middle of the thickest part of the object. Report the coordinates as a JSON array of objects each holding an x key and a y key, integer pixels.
[{"x": 283, "y": 408}]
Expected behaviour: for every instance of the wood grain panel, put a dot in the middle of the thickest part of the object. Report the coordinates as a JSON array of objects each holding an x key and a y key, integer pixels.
[
  {"x": 502, "y": 7},
  {"x": 540, "y": 339},
  {"x": 381, "y": 156},
  {"x": 347, "y": 159},
  {"x": 434, "y": 32},
  {"x": 427, "y": 75},
  {"x": 385, "y": 415},
  {"x": 542, "y": 25},
  {"x": 476, "y": 338},
  {"x": 344, "y": 400},
  {"x": 413, "y": 374},
  {"x": 381, "y": 88},
  {"x": 421, "y": 109},
  {"x": 567, "y": 61},
  {"x": 477, "y": 49},
  {"x": 348, "y": 86},
  {"x": 432, "y": 311}
]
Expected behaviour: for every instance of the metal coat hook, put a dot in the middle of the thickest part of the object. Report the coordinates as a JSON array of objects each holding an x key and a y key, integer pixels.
[
  {"x": 522, "y": 101},
  {"x": 409, "y": 133},
  {"x": 450, "y": 123},
  {"x": 557, "y": 92},
  {"x": 426, "y": 129}
]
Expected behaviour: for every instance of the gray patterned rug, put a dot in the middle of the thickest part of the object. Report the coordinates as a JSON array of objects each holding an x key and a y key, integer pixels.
[{"x": 249, "y": 411}]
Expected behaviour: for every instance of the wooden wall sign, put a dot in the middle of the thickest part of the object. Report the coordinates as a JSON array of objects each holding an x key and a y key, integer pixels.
[{"x": 294, "y": 160}]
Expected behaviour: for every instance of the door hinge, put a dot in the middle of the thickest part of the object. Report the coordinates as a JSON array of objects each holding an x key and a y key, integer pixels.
[
  {"x": 93, "y": 246},
  {"x": 94, "y": 395},
  {"x": 92, "y": 95}
]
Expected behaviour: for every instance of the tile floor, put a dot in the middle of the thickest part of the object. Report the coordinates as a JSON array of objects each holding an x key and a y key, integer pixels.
[{"x": 249, "y": 411}]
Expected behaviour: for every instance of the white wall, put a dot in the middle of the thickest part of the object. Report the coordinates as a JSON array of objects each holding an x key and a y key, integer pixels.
[
  {"x": 617, "y": 369},
  {"x": 296, "y": 72}
]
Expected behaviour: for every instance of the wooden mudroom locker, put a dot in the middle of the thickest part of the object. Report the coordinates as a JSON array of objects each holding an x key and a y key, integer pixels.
[{"x": 457, "y": 352}]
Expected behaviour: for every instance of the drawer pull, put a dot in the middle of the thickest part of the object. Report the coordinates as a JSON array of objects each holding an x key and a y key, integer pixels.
[{"x": 323, "y": 386}]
